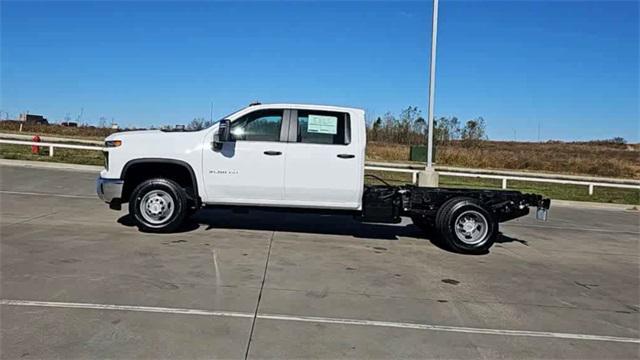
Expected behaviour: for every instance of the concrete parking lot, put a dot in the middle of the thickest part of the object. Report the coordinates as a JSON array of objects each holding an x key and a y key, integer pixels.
[{"x": 79, "y": 281}]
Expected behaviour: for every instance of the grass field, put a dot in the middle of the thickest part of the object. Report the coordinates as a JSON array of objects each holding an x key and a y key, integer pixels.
[
  {"x": 72, "y": 156},
  {"x": 596, "y": 158},
  {"x": 91, "y": 133}
]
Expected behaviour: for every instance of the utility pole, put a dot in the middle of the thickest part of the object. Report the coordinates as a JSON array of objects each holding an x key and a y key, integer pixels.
[
  {"x": 211, "y": 113},
  {"x": 429, "y": 177},
  {"x": 432, "y": 81},
  {"x": 539, "y": 126}
]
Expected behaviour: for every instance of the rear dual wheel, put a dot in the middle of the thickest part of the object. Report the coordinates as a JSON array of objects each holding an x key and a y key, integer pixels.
[{"x": 466, "y": 226}]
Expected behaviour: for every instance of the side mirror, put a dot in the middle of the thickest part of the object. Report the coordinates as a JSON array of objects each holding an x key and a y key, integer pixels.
[{"x": 223, "y": 134}]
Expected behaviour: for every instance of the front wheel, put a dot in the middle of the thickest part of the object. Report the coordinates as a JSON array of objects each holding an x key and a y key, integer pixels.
[
  {"x": 158, "y": 205},
  {"x": 467, "y": 226}
]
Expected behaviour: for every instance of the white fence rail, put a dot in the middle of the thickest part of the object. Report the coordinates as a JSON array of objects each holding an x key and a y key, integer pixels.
[
  {"x": 504, "y": 176},
  {"x": 51, "y": 145},
  {"x": 47, "y": 138}
]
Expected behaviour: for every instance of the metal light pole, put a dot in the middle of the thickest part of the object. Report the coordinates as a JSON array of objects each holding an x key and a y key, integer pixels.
[{"x": 432, "y": 82}]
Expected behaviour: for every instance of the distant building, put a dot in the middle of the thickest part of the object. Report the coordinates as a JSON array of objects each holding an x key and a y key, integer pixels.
[{"x": 33, "y": 119}]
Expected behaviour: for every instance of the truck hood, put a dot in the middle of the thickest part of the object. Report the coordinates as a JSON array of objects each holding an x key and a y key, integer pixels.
[
  {"x": 132, "y": 134},
  {"x": 155, "y": 142}
]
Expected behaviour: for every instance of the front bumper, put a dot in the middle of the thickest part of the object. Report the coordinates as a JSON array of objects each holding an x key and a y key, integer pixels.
[{"x": 109, "y": 190}]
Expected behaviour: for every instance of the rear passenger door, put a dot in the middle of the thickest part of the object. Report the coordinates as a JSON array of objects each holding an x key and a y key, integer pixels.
[{"x": 323, "y": 166}]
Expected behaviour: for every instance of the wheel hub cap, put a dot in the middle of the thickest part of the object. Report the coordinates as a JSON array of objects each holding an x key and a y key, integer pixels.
[
  {"x": 156, "y": 206},
  {"x": 471, "y": 227}
]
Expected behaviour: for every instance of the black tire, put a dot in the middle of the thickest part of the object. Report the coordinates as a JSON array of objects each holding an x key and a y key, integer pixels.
[
  {"x": 476, "y": 237},
  {"x": 157, "y": 193}
]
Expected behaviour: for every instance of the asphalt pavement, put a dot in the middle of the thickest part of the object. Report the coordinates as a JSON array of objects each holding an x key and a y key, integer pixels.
[{"x": 78, "y": 280}]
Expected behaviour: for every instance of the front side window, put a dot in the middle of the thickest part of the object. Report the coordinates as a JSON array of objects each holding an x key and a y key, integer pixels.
[
  {"x": 323, "y": 127},
  {"x": 261, "y": 125}
]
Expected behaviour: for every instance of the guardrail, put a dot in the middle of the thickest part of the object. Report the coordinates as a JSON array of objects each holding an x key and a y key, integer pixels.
[
  {"x": 589, "y": 181},
  {"x": 47, "y": 138},
  {"x": 51, "y": 145},
  {"x": 505, "y": 176}
]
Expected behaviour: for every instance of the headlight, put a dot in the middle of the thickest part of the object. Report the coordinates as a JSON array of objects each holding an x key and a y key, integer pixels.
[{"x": 112, "y": 143}]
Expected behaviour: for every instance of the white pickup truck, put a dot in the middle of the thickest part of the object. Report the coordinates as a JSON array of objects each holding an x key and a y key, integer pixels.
[{"x": 291, "y": 156}]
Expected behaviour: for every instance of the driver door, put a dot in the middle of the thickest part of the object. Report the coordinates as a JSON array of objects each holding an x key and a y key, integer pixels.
[{"x": 249, "y": 170}]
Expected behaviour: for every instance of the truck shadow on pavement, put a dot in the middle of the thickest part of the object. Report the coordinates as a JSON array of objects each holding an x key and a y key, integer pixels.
[
  {"x": 325, "y": 224},
  {"x": 265, "y": 220}
]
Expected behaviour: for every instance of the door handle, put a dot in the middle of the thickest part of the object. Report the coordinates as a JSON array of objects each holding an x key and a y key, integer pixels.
[
  {"x": 346, "y": 156},
  {"x": 272, "y": 153}
]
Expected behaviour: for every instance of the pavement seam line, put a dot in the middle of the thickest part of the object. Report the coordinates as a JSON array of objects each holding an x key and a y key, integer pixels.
[
  {"x": 255, "y": 315},
  {"x": 152, "y": 309},
  {"x": 459, "y": 329},
  {"x": 326, "y": 320},
  {"x": 31, "y": 219}
]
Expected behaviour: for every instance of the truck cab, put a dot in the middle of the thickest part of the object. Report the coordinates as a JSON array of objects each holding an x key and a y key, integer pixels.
[
  {"x": 288, "y": 155},
  {"x": 291, "y": 156}
]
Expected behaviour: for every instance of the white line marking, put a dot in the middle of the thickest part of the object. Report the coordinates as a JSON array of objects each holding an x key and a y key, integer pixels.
[
  {"x": 545, "y": 334},
  {"x": 152, "y": 309},
  {"x": 45, "y": 194},
  {"x": 313, "y": 319},
  {"x": 216, "y": 270}
]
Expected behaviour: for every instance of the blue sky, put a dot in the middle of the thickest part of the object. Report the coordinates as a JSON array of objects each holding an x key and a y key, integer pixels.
[{"x": 570, "y": 66}]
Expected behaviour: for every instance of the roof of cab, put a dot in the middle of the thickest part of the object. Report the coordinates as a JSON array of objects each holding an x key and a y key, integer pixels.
[{"x": 304, "y": 106}]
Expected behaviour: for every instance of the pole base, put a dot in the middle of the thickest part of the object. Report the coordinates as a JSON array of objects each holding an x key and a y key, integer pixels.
[{"x": 428, "y": 178}]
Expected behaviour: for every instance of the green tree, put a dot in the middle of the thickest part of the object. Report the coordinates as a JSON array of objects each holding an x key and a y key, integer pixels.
[
  {"x": 420, "y": 126},
  {"x": 377, "y": 125},
  {"x": 474, "y": 130}
]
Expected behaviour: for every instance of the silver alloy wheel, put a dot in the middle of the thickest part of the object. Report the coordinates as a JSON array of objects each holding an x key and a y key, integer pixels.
[
  {"x": 156, "y": 206},
  {"x": 471, "y": 227}
]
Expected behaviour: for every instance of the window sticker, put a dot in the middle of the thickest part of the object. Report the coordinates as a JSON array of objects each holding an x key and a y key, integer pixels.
[{"x": 322, "y": 124}]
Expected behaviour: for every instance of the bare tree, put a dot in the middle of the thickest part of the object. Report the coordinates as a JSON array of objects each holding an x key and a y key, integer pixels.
[
  {"x": 446, "y": 129},
  {"x": 199, "y": 124}
]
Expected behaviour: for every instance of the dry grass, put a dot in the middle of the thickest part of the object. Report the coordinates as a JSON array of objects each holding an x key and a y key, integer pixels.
[
  {"x": 590, "y": 158},
  {"x": 87, "y": 132},
  {"x": 598, "y": 159}
]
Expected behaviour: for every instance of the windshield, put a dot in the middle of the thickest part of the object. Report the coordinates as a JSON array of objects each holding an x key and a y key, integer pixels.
[{"x": 227, "y": 116}]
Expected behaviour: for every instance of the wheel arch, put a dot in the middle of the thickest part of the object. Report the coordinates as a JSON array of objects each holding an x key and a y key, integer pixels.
[{"x": 185, "y": 175}]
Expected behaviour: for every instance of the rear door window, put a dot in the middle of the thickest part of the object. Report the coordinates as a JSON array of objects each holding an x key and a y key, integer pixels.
[{"x": 323, "y": 127}]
